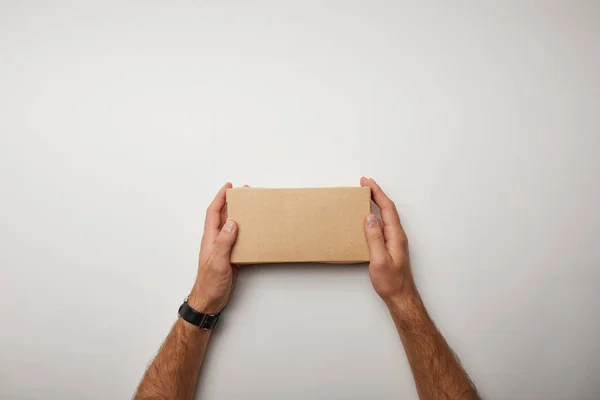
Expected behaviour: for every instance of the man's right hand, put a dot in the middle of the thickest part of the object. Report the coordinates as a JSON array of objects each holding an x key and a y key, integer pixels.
[
  {"x": 436, "y": 370},
  {"x": 389, "y": 268}
]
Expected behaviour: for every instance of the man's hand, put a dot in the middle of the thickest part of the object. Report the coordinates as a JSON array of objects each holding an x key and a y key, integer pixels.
[
  {"x": 174, "y": 371},
  {"x": 388, "y": 248},
  {"x": 437, "y": 372},
  {"x": 216, "y": 276}
]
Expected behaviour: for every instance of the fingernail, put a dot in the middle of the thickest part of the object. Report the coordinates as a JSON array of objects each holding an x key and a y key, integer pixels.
[
  {"x": 372, "y": 220},
  {"x": 229, "y": 226}
]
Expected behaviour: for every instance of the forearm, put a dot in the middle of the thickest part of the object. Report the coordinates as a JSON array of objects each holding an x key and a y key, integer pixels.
[
  {"x": 174, "y": 371},
  {"x": 436, "y": 370}
]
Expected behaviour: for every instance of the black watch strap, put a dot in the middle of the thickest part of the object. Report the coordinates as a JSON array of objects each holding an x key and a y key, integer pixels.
[{"x": 203, "y": 321}]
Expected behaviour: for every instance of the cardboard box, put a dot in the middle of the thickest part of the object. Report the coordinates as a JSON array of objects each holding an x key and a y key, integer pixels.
[{"x": 299, "y": 225}]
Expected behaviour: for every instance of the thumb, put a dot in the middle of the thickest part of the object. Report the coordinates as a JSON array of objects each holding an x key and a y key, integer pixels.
[
  {"x": 225, "y": 240},
  {"x": 375, "y": 240}
]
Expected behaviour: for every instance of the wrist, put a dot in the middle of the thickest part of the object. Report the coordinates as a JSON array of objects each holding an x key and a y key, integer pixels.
[
  {"x": 202, "y": 303},
  {"x": 191, "y": 330},
  {"x": 404, "y": 304},
  {"x": 404, "y": 294}
]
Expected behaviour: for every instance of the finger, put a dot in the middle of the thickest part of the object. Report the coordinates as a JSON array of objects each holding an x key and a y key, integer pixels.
[
  {"x": 224, "y": 212},
  {"x": 395, "y": 238},
  {"x": 224, "y": 241},
  {"x": 377, "y": 250},
  {"x": 212, "y": 224},
  {"x": 389, "y": 214},
  {"x": 223, "y": 216}
]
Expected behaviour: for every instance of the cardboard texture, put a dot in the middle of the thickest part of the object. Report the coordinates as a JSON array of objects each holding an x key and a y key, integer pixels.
[{"x": 299, "y": 225}]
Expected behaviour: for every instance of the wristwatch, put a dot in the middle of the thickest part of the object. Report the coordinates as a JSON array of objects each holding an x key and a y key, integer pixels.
[{"x": 202, "y": 321}]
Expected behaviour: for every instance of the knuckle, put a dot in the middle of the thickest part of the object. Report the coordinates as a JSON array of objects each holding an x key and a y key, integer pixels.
[
  {"x": 379, "y": 264},
  {"x": 218, "y": 247},
  {"x": 223, "y": 241},
  {"x": 392, "y": 205},
  {"x": 211, "y": 207},
  {"x": 376, "y": 236},
  {"x": 403, "y": 240}
]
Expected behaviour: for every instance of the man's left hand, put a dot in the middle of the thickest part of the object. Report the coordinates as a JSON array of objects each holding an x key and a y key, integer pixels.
[{"x": 216, "y": 276}]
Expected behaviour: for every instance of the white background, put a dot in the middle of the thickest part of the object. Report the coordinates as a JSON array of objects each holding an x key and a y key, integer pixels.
[{"x": 120, "y": 120}]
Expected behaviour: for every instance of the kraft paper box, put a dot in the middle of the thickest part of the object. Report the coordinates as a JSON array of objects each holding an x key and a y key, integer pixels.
[{"x": 299, "y": 225}]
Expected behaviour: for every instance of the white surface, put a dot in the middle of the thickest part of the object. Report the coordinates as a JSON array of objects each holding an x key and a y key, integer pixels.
[{"x": 119, "y": 121}]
